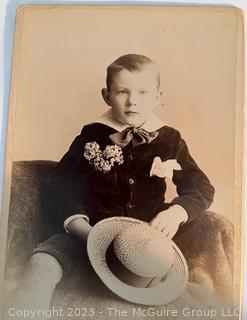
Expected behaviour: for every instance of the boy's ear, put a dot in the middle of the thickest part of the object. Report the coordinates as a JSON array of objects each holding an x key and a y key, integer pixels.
[
  {"x": 106, "y": 96},
  {"x": 160, "y": 94}
]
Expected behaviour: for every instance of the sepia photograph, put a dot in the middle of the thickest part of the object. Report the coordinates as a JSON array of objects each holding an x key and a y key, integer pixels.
[{"x": 123, "y": 171}]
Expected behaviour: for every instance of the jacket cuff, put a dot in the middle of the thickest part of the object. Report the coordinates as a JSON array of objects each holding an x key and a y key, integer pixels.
[
  {"x": 73, "y": 217},
  {"x": 192, "y": 209},
  {"x": 182, "y": 212}
]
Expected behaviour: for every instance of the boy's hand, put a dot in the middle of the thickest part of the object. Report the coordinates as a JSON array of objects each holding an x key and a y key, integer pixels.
[{"x": 168, "y": 221}]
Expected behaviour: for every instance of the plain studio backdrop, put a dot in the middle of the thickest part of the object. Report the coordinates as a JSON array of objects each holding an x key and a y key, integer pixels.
[{"x": 63, "y": 55}]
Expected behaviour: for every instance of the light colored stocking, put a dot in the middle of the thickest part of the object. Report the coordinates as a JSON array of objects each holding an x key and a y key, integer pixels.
[{"x": 36, "y": 287}]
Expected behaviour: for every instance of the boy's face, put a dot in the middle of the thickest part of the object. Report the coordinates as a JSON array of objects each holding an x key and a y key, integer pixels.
[{"x": 133, "y": 95}]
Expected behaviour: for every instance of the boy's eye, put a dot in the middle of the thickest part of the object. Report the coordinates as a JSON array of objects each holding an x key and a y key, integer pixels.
[
  {"x": 122, "y": 91},
  {"x": 143, "y": 91}
]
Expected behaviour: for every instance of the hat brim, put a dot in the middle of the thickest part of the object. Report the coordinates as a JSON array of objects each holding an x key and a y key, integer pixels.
[{"x": 99, "y": 239}]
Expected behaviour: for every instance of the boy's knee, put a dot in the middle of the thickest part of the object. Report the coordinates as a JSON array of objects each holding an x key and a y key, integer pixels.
[
  {"x": 65, "y": 249},
  {"x": 46, "y": 264}
]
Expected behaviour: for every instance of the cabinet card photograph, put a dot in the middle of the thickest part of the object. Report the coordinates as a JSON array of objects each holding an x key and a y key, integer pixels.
[{"x": 123, "y": 174}]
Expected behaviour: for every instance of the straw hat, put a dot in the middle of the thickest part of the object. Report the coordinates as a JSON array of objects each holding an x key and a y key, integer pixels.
[{"x": 136, "y": 261}]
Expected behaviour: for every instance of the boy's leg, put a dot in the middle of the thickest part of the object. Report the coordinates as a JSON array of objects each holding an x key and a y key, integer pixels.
[
  {"x": 207, "y": 244},
  {"x": 41, "y": 275},
  {"x": 52, "y": 259}
]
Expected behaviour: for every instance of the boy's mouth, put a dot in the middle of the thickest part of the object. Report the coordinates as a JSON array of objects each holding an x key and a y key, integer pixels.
[{"x": 129, "y": 113}]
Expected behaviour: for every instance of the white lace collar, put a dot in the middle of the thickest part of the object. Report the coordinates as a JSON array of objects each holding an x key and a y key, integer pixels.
[{"x": 153, "y": 123}]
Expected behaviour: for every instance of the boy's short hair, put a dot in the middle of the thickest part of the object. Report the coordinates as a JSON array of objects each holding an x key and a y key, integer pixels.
[{"x": 131, "y": 62}]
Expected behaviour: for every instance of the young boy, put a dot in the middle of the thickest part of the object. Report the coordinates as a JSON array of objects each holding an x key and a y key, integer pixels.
[{"x": 115, "y": 167}]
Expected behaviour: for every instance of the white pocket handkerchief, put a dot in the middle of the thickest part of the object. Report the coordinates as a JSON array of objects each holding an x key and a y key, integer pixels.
[{"x": 165, "y": 168}]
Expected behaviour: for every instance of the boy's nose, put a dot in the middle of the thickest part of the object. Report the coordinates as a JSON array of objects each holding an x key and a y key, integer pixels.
[{"x": 131, "y": 101}]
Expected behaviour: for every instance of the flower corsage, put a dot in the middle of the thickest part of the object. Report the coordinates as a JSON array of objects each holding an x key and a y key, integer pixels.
[{"x": 103, "y": 160}]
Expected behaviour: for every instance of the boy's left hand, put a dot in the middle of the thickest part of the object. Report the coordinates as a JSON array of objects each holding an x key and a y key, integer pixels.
[{"x": 168, "y": 221}]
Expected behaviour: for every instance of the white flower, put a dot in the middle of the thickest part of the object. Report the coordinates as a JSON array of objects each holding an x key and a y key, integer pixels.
[
  {"x": 106, "y": 166},
  {"x": 113, "y": 151},
  {"x": 97, "y": 160},
  {"x": 91, "y": 150},
  {"x": 103, "y": 160},
  {"x": 165, "y": 168},
  {"x": 119, "y": 160},
  {"x": 102, "y": 165},
  {"x": 112, "y": 160}
]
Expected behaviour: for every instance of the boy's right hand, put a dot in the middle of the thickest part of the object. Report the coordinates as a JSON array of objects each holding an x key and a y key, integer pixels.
[
  {"x": 168, "y": 221},
  {"x": 79, "y": 227}
]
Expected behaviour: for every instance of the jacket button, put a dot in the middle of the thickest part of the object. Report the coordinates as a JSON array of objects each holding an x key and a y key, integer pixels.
[
  {"x": 131, "y": 157},
  {"x": 131, "y": 181}
]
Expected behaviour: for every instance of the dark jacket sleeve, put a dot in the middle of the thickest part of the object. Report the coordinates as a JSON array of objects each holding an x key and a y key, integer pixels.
[
  {"x": 195, "y": 192},
  {"x": 65, "y": 190}
]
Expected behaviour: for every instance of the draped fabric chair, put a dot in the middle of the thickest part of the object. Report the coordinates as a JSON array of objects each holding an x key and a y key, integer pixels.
[{"x": 209, "y": 258}]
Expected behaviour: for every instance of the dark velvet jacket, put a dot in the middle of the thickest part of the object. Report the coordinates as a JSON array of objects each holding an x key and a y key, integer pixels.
[{"x": 75, "y": 187}]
